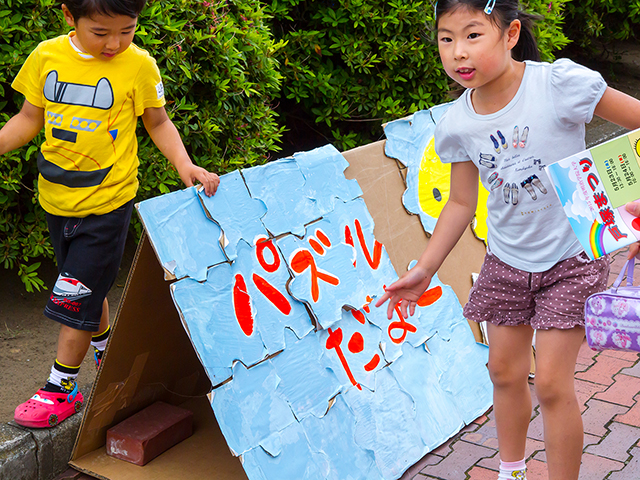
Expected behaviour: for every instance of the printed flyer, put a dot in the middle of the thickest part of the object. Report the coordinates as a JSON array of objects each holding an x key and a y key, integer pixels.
[{"x": 594, "y": 186}]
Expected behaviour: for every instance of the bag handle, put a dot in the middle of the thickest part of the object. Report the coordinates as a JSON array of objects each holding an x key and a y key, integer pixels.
[{"x": 628, "y": 270}]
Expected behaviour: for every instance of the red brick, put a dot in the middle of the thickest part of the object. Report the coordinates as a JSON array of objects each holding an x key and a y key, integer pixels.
[
  {"x": 145, "y": 435},
  {"x": 614, "y": 446},
  {"x": 632, "y": 417},
  {"x": 428, "y": 459},
  {"x": 537, "y": 470},
  {"x": 585, "y": 354},
  {"x": 596, "y": 468},
  {"x": 604, "y": 369},
  {"x": 634, "y": 371},
  {"x": 479, "y": 473},
  {"x": 622, "y": 391},
  {"x": 631, "y": 469},
  {"x": 463, "y": 457},
  {"x": 531, "y": 447},
  {"x": 585, "y": 390},
  {"x": 598, "y": 414},
  {"x": 630, "y": 356}
]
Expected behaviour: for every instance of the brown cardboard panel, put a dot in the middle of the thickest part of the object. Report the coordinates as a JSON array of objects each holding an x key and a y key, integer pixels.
[
  {"x": 149, "y": 356},
  {"x": 400, "y": 232},
  {"x": 382, "y": 182},
  {"x": 203, "y": 455}
]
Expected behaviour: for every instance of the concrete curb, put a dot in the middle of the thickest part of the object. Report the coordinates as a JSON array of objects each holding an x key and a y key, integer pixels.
[{"x": 38, "y": 454}]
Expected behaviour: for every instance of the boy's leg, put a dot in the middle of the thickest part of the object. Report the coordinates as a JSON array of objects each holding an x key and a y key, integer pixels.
[
  {"x": 509, "y": 367},
  {"x": 556, "y": 354}
]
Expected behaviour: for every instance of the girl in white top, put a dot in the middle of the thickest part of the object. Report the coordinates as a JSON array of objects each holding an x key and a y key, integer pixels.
[{"x": 516, "y": 116}]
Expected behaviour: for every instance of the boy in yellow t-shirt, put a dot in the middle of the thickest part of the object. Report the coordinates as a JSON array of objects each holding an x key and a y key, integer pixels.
[{"x": 88, "y": 89}]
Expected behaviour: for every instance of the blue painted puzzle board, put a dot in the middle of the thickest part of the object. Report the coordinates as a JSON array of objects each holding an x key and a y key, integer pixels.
[{"x": 311, "y": 381}]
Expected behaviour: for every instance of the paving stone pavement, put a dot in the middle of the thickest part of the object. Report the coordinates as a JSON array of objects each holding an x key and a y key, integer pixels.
[{"x": 608, "y": 390}]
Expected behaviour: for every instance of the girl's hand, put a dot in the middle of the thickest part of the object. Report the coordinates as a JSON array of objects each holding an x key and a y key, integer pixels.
[
  {"x": 193, "y": 173},
  {"x": 634, "y": 209},
  {"x": 407, "y": 290}
]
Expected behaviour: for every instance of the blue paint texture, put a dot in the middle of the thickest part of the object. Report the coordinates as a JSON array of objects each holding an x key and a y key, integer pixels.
[{"x": 314, "y": 385}]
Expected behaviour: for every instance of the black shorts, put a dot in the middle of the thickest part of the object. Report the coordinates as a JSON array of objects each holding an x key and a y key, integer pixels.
[{"x": 88, "y": 251}]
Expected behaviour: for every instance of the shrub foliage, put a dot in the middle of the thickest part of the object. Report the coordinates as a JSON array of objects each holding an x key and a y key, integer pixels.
[
  {"x": 593, "y": 22},
  {"x": 341, "y": 67},
  {"x": 350, "y": 65},
  {"x": 220, "y": 75}
]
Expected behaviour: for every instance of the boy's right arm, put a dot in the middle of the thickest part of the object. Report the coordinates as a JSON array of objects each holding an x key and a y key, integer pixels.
[
  {"x": 452, "y": 222},
  {"x": 21, "y": 128}
]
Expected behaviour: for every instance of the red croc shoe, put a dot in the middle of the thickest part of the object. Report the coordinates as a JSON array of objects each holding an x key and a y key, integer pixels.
[{"x": 47, "y": 409}]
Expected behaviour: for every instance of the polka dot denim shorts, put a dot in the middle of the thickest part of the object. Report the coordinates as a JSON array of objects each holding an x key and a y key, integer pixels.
[{"x": 504, "y": 295}]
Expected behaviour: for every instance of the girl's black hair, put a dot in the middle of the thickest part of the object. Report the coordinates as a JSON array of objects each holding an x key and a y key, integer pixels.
[
  {"x": 504, "y": 12},
  {"x": 88, "y": 8}
]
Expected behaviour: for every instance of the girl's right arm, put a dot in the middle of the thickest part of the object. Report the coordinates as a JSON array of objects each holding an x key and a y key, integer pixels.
[
  {"x": 21, "y": 128},
  {"x": 452, "y": 222}
]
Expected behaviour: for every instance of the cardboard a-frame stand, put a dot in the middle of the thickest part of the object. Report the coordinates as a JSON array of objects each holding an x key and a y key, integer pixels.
[{"x": 150, "y": 357}]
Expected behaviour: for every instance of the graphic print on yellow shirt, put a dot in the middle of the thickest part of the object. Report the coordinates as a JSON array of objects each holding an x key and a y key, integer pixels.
[{"x": 88, "y": 162}]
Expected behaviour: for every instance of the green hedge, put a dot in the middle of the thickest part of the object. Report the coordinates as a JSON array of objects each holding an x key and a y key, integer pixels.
[
  {"x": 220, "y": 75},
  {"x": 342, "y": 68},
  {"x": 591, "y": 23},
  {"x": 350, "y": 65}
]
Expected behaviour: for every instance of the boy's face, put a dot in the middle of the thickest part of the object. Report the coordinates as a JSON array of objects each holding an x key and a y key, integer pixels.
[{"x": 102, "y": 36}]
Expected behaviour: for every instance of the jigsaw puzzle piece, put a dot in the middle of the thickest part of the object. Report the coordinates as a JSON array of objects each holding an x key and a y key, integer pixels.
[
  {"x": 294, "y": 458},
  {"x": 352, "y": 350},
  {"x": 305, "y": 383},
  {"x": 185, "y": 242},
  {"x": 418, "y": 374},
  {"x": 219, "y": 318},
  {"x": 323, "y": 273},
  {"x": 352, "y": 223},
  {"x": 280, "y": 186},
  {"x": 235, "y": 212},
  {"x": 323, "y": 171},
  {"x": 266, "y": 276},
  {"x": 386, "y": 425},
  {"x": 465, "y": 376},
  {"x": 334, "y": 435},
  {"x": 248, "y": 408},
  {"x": 437, "y": 310}
]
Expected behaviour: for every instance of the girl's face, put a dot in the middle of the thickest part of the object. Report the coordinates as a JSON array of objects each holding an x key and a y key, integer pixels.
[
  {"x": 473, "y": 50},
  {"x": 102, "y": 36}
]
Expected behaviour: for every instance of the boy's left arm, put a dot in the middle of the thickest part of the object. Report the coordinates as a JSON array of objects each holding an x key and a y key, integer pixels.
[{"x": 166, "y": 137}]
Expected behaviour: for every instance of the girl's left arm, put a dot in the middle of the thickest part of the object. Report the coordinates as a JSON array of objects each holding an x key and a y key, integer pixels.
[
  {"x": 166, "y": 137},
  {"x": 619, "y": 108},
  {"x": 624, "y": 110}
]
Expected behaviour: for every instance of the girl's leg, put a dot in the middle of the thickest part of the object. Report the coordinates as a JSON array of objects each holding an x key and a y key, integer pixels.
[
  {"x": 73, "y": 344},
  {"x": 556, "y": 354},
  {"x": 509, "y": 367}
]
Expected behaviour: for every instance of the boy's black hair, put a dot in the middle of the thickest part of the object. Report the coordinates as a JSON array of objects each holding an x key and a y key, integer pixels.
[
  {"x": 504, "y": 12},
  {"x": 88, "y": 8}
]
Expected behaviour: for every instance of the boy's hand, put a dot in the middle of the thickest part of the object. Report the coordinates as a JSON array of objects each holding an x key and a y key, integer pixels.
[
  {"x": 634, "y": 209},
  {"x": 407, "y": 290},
  {"x": 193, "y": 173}
]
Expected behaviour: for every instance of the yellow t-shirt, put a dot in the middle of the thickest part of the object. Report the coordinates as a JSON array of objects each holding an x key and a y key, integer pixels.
[{"x": 88, "y": 163}]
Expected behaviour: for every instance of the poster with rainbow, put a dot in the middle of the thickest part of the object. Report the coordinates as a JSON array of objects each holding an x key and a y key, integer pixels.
[{"x": 594, "y": 186}]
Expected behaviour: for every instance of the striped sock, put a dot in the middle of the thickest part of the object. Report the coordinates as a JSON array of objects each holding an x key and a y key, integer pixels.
[{"x": 62, "y": 378}]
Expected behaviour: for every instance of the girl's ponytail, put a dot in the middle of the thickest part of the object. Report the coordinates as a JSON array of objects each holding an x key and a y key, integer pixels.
[{"x": 527, "y": 46}]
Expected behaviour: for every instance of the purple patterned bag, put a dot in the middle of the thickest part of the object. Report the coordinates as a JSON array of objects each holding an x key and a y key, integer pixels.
[{"x": 612, "y": 317}]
